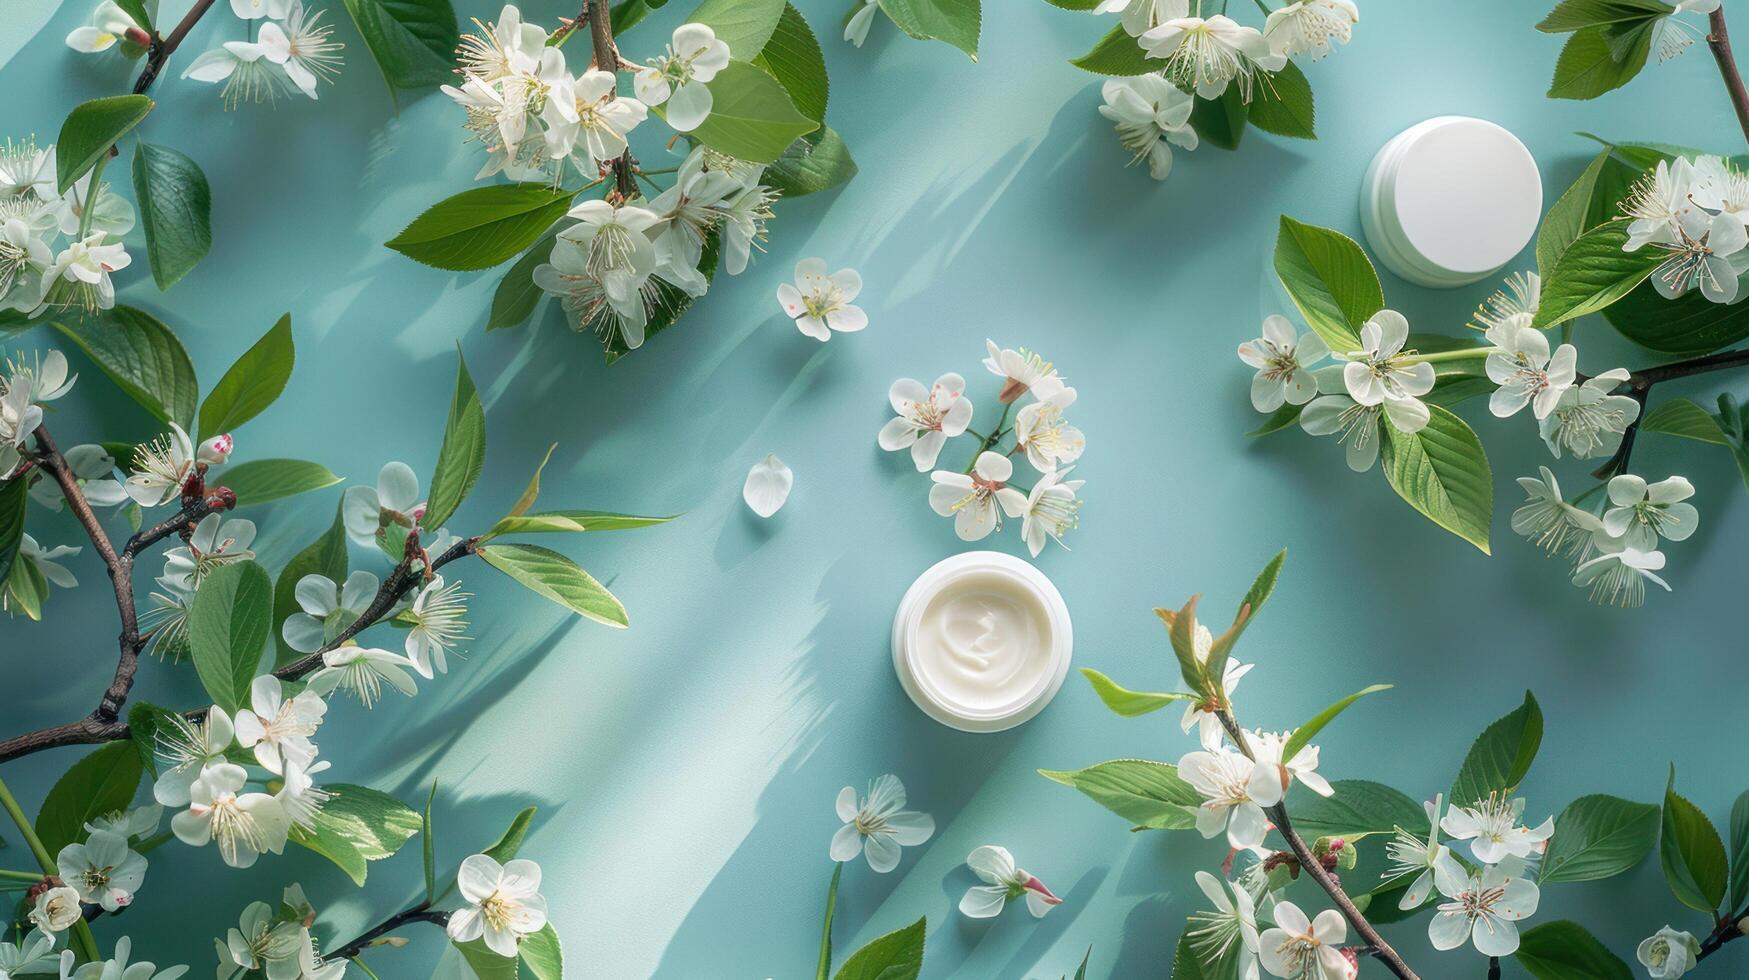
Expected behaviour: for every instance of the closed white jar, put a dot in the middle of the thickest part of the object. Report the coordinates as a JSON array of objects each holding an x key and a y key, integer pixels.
[
  {"x": 982, "y": 641},
  {"x": 1449, "y": 201}
]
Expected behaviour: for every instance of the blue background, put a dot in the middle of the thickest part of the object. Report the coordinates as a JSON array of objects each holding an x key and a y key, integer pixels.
[{"x": 686, "y": 769}]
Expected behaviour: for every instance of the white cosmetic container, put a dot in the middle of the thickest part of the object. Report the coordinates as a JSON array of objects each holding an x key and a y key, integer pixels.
[
  {"x": 981, "y": 641},
  {"x": 1449, "y": 201}
]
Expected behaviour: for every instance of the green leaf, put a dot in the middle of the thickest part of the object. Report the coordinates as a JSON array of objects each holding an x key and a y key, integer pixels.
[
  {"x": 462, "y": 457},
  {"x": 1074, "y": 4},
  {"x": 815, "y": 162},
  {"x": 1563, "y": 950},
  {"x": 570, "y": 521},
  {"x": 744, "y": 25},
  {"x": 627, "y": 14},
  {"x": 1126, "y": 702},
  {"x": 792, "y": 55},
  {"x": 895, "y": 956},
  {"x": 1304, "y": 734},
  {"x": 482, "y": 226},
  {"x": 1356, "y": 810},
  {"x": 1569, "y": 217},
  {"x": 517, "y": 295},
  {"x": 427, "y": 858},
  {"x": 90, "y": 130},
  {"x": 511, "y": 840},
  {"x": 550, "y": 574},
  {"x": 261, "y": 480},
  {"x": 541, "y": 954},
  {"x": 1442, "y": 471},
  {"x": 228, "y": 625},
  {"x": 103, "y": 781},
  {"x": 145, "y": 721},
  {"x": 485, "y": 964},
  {"x": 1682, "y": 417},
  {"x": 752, "y": 117},
  {"x": 1587, "y": 67},
  {"x": 1501, "y": 757},
  {"x": 1686, "y": 326},
  {"x": 1149, "y": 794},
  {"x": 412, "y": 41},
  {"x": 1599, "y": 837},
  {"x": 175, "y": 211},
  {"x": 252, "y": 383},
  {"x": 1691, "y": 852},
  {"x": 1186, "y": 961},
  {"x": 1284, "y": 104},
  {"x": 143, "y": 358},
  {"x": 14, "y": 504},
  {"x": 25, "y": 588},
  {"x": 1740, "y": 850},
  {"x": 1215, "y": 667},
  {"x": 1573, "y": 15},
  {"x": 953, "y": 21},
  {"x": 1282, "y": 418},
  {"x": 1117, "y": 54},
  {"x": 1330, "y": 281},
  {"x": 1220, "y": 121},
  {"x": 357, "y": 825},
  {"x": 325, "y": 556},
  {"x": 137, "y": 12},
  {"x": 1593, "y": 273}
]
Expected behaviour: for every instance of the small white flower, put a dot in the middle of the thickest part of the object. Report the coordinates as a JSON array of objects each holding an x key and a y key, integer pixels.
[
  {"x": 24, "y": 258},
  {"x": 820, "y": 303},
  {"x": 1552, "y": 524},
  {"x": 135, "y": 824},
  {"x": 109, "y": 24},
  {"x": 927, "y": 417},
  {"x": 263, "y": 942},
  {"x": 56, "y": 910},
  {"x": 439, "y": 622},
  {"x": 1642, "y": 513},
  {"x": 1022, "y": 371},
  {"x": 1380, "y": 372},
  {"x": 304, "y": 48},
  {"x": 93, "y": 470},
  {"x": 678, "y": 78},
  {"x": 79, "y": 276},
  {"x": 327, "y": 609},
  {"x": 1052, "y": 510},
  {"x": 1281, "y": 357},
  {"x": 857, "y": 25},
  {"x": 1514, "y": 305},
  {"x": 611, "y": 246},
  {"x": 1721, "y": 187},
  {"x": 1668, "y": 953},
  {"x": 1355, "y": 425},
  {"x": 1410, "y": 855},
  {"x": 19, "y": 418},
  {"x": 1234, "y": 922},
  {"x": 249, "y": 75},
  {"x": 977, "y": 500},
  {"x": 362, "y": 672},
  {"x": 1149, "y": 113},
  {"x": 1525, "y": 371},
  {"x": 689, "y": 210},
  {"x": 1305, "y": 949},
  {"x": 244, "y": 825},
  {"x": 47, "y": 560},
  {"x": 110, "y": 212},
  {"x": 1618, "y": 576},
  {"x": 1310, "y": 26},
  {"x": 1587, "y": 420},
  {"x": 25, "y": 168},
  {"x": 216, "y": 541},
  {"x": 878, "y": 825},
  {"x": 1658, "y": 203},
  {"x": 1268, "y": 748},
  {"x": 299, "y": 796},
  {"x": 1234, "y": 790},
  {"x": 600, "y": 121},
  {"x": 395, "y": 500},
  {"x": 1197, "y": 713},
  {"x": 1004, "y": 881},
  {"x": 745, "y": 213},
  {"x": 186, "y": 749},
  {"x": 504, "y": 903},
  {"x": 506, "y": 47},
  {"x": 257, "y": 9},
  {"x": 103, "y": 870},
  {"x": 32, "y": 955},
  {"x": 1140, "y": 16},
  {"x": 1209, "y": 54},
  {"x": 160, "y": 468},
  {"x": 768, "y": 485},
  {"x": 1484, "y": 908},
  {"x": 1705, "y": 252},
  {"x": 1492, "y": 828},
  {"x": 279, "y": 728},
  {"x": 1047, "y": 438},
  {"x": 118, "y": 967}
]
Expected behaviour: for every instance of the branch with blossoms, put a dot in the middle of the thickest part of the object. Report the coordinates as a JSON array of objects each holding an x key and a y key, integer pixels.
[
  {"x": 242, "y": 774},
  {"x": 1467, "y": 855}
]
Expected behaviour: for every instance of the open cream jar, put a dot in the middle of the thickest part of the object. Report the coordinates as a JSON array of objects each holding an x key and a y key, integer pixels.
[{"x": 981, "y": 641}]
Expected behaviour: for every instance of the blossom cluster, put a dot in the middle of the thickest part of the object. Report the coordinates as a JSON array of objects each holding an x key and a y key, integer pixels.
[
  {"x": 980, "y": 496},
  {"x": 57, "y": 251},
  {"x": 1202, "y": 57},
  {"x": 1696, "y": 211}
]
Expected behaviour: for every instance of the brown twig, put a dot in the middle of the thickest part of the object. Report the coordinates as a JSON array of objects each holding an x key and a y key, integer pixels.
[
  {"x": 422, "y": 912},
  {"x": 1720, "y": 42},
  {"x": 1640, "y": 387},
  {"x": 607, "y": 59},
  {"x": 158, "y": 52},
  {"x": 1729, "y": 928}
]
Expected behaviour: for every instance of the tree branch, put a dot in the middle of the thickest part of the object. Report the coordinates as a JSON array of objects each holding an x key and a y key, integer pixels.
[
  {"x": 607, "y": 59},
  {"x": 1720, "y": 42},
  {"x": 158, "y": 52},
  {"x": 1729, "y": 928},
  {"x": 1640, "y": 387},
  {"x": 418, "y": 913}
]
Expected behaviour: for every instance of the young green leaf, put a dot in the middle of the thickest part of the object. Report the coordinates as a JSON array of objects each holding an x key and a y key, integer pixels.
[
  {"x": 326, "y": 556},
  {"x": 252, "y": 383},
  {"x": 1682, "y": 417},
  {"x": 1569, "y": 216},
  {"x": 744, "y": 25},
  {"x": 145, "y": 721},
  {"x": 14, "y": 502},
  {"x": 90, "y": 130},
  {"x": 1573, "y": 15},
  {"x": 144, "y": 359},
  {"x": 358, "y": 825},
  {"x": 541, "y": 954},
  {"x": 427, "y": 846},
  {"x": 1691, "y": 853},
  {"x": 824, "y": 967},
  {"x": 1283, "y": 104},
  {"x": 1589, "y": 66},
  {"x": 25, "y": 588},
  {"x": 1599, "y": 837},
  {"x": 1740, "y": 850},
  {"x": 792, "y": 55},
  {"x": 571, "y": 521},
  {"x": 1181, "y": 631},
  {"x": 175, "y": 211},
  {"x": 550, "y": 574},
  {"x": 1357, "y": 809},
  {"x": 1214, "y": 669},
  {"x": 1330, "y": 281},
  {"x": 752, "y": 117},
  {"x": 1593, "y": 273},
  {"x": 510, "y": 841},
  {"x": 262, "y": 480},
  {"x": 531, "y": 493},
  {"x": 1148, "y": 794},
  {"x": 1282, "y": 418},
  {"x": 462, "y": 457},
  {"x": 412, "y": 41},
  {"x": 1501, "y": 757},
  {"x": 228, "y": 626},
  {"x": 1116, "y": 55},
  {"x": 894, "y": 956},
  {"x": 483, "y": 226},
  {"x": 1128, "y": 703},
  {"x": 815, "y": 162},
  {"x": 1304, "y": 734},
  {"x": 1442, "y": 471},
  {"x": 517, "y": 295},
  {"x": 954, "y": 21},
  {"x": 1563, "y": 950},
  {"x": 102, "y": 781}
]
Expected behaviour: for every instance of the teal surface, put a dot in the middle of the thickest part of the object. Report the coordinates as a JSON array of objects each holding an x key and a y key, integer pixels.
[{"x": 686, "y": 769}]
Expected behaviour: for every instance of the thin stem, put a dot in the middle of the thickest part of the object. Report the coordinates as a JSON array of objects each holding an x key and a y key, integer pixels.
[
  {"x": 993, "y": 438},
  {"x": 1264, "y": 7},
  {"x": 1462, "y": 354},
  {"x": 607, "y": 59},
  {"x": 1640, "y": 387},
  {"x": 1720, "y": 42},
  {"x": 1729, "y": 928},
  {"x": 82, "y": 937},
  {"x": 159, "y": 51},
  {"x": 418, "y": 913},
  {"x": 11, "y": 875},
  {"x": 91, "y": 190},
  {"x": 1493, "y": 968},
  {"x": 825, "y": 969}
]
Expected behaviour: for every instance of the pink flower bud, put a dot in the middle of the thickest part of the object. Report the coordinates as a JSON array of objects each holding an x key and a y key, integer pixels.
[
  {"x": 1035, "y": 885},
  {"x": 217, "y": 449}
]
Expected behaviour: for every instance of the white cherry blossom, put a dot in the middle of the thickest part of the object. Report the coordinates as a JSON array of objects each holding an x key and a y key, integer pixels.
[
  {"x": 1493, "y": 830},
  {"x": 1231, "y": 927},
  {"x": 1484, "y": 907},
  {"x": 438, "y": 619},
  {"x": 1022, "y": 371},
  {"x": 1640, "y": 513},
  {"x": 327, "y": 609},
  {"x": 977, "y": 500},
  {"x": 1281, "y": 356},
  {"x": 820, "y": 304},
  {"x": 394, "y": 500},
  {"x": 243, "y": 825},
  {"x": 1417, "y": 859},
  {"x": 160, "y": 468},
  {"x": 927, "y": 417},
  {"x": 109, "y": 24},
  {"x": 1668, "y": 953},
  {"x": 1525, "y": 370},
  {"x": 1587, "y": 420},
  {"x": 103, "y": 869},
  {"x": 186, "y": 749},
  {"x": 877, "y": 824},
  {"x": 1234, "y": 790},
  {"x": 1618, "y": 575},
  {"x": 1151, "y": 115},
  {"x": 1380, "y": 372},
  {"x": 1305, "y": 949},
  {"x": 362, "y": 672},
  {"x": 504, "y": 903},
  {"x": 1047, "y": 438},
  {"x": 79, "y": 276},
  {"x": 1003, "y": 882},
  {"x": 216, "y": 541},
  {"x": 1310, "y": 26},
  {"x": 1209, "y": 54},
  {"x": 1052, "y": 510},
  {"x": 678, "y": 78},
  {"x": 278, "y": 728}
]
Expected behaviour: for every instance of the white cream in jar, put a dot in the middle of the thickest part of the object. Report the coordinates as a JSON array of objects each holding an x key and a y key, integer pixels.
[{"x": 982, "y": 641}]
